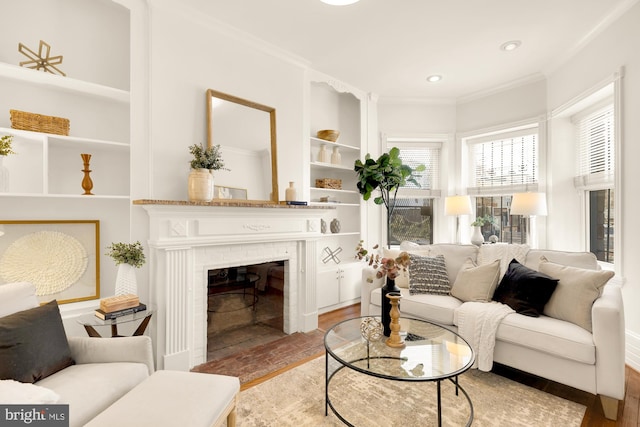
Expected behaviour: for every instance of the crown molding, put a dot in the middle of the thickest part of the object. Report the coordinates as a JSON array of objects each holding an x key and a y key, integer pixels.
[
  {"x": 415, "y": 100},
  {"x": 230, "y": 31},
  {"x": 532, "y": 78},
  {"x": 605, "y": 23}
]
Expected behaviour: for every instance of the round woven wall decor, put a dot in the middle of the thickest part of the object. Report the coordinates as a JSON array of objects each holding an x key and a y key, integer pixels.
[{"x": 51, "y": 260}]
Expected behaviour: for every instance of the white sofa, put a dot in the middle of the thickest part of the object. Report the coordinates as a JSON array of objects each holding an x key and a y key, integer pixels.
[
  {"x": 548, "y": 347},
  {"x": 105, "y": 381}
]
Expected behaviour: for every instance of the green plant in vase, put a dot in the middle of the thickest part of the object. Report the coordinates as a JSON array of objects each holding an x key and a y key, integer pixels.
[{"x": 128, "y": 257}]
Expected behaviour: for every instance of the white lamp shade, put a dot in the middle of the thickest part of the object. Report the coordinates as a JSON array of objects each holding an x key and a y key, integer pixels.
[
  {"x": 529, "y": 204},
  {"x": 457, "y": 205}
]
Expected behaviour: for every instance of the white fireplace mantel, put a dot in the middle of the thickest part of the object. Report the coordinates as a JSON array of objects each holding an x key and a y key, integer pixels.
[{"x": 186, "y": 240}]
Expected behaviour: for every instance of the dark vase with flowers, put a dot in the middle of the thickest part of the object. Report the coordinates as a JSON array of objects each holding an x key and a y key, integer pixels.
[{"x": 389, "y": 286}]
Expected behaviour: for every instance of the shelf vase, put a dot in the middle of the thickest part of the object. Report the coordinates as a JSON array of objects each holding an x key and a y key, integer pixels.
[
  {"x": 290, "y": 192},
  {"x": 335, "y": 226},
  {"x": 4, "y": 177},
  {"x": 336, "y": 158},
  {"x": 323, "y": 154},
  {"x": 200, "y": 185},
  {"x": 126, "y": 280},
  {"x": 389, "y": 287}
]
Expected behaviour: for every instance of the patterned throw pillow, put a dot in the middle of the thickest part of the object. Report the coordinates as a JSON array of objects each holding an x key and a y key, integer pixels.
[{"x": 428, "y": 275}]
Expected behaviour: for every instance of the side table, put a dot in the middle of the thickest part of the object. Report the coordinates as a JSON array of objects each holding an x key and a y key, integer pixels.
[{"x": 89, "y": 321}]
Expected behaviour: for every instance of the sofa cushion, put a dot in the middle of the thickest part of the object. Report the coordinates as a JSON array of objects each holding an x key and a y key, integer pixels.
[
  {"x": 553, "y": 336},
  {"x": 428, "y": 275},
  {"x": 455, "y": 256},
  {"x": 33, "y": 344},
  {"x": 90, "y": 388},
  {"x": 435, "y": 308},
  {"x": 585, "y": 260},
  {"x": 525, "y": 290},
  {"x": 503, "y": 252},
  {"x": 476, "y": 283},
  {"x": 576, "y": 291}
]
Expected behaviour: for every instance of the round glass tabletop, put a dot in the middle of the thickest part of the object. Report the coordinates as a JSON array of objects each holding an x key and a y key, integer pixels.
[{"x": 431, "y": 352}]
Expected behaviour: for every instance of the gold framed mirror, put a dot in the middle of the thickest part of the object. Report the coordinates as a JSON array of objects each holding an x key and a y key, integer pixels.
[{"x": 246, "y": 133}]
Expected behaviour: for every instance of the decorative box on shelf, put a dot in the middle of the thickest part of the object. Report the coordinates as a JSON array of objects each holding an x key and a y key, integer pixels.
[
  {"x": 335, "y": 184},
  {"x": 39, "y": 123}
]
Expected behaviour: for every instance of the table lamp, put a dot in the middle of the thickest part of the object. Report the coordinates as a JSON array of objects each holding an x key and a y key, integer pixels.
[
  {"x": 457, "y": 205},
  {"x": 528, "y": 205}
]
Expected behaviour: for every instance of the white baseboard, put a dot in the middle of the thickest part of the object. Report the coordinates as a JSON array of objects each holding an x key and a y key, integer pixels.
[{"x": 632, "y": 350}]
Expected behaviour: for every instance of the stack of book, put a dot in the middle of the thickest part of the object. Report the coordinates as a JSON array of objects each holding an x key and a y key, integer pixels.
[{"x": 118, "y": 306}]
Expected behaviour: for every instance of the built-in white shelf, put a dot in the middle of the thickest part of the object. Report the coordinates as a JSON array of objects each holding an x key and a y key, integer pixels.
[
  {"x": 55, "y": 81},
  {"x": 333, "y": 144}
]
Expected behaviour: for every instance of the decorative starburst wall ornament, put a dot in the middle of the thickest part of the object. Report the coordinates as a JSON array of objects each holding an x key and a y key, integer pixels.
[{"x": 41, "y": 60}]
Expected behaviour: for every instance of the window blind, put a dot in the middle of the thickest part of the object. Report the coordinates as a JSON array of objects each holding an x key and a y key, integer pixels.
[
  {"x": 414, "y": 155},
  {"x": 504, "y": 165},
  {"x": 596, "y": 158}
]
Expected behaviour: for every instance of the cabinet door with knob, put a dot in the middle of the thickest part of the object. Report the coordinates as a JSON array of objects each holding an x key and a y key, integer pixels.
[{"x": 338, "y": 286}]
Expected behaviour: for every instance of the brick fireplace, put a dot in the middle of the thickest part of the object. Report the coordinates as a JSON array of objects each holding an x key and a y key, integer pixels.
[{"x": 187, "y": 240}]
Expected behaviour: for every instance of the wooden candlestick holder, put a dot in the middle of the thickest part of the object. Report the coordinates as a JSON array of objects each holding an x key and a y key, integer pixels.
[
  {"x": 395, "y": 340},
  {"x": 87, "y": 183}
]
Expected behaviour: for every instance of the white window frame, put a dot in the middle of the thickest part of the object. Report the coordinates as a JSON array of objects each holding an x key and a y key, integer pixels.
[
  {"x": 574, "y": 106},
  {"x": 440, "y": 141}
]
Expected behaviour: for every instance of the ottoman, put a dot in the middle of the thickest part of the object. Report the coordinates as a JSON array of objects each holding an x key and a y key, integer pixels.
[{"x": 175, "y": 398}]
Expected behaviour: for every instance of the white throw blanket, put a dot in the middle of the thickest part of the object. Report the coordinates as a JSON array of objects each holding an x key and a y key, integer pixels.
[{"x": 477, "y": 324}]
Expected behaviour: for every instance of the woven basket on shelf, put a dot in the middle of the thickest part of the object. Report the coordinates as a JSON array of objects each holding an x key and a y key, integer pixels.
[
  {"x": 39, "y": 123},
  {"x": 335, "y": 184}
]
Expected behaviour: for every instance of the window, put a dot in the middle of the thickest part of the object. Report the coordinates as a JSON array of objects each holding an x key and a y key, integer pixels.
[
  {"x": 501, "y": 164},
  {"x": 412, "y": 214},
  {"x": 507, "y": 228},
  {"x": 596, "y": 170}
]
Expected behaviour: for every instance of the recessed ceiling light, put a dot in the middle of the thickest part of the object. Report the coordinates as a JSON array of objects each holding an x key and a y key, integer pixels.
[
  {"x": 434, "y": 78},
  {"x": 339, "y": 2},
  {"x": 510, "y": 45}
]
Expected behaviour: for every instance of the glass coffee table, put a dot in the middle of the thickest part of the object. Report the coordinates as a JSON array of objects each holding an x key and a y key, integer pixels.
[{"x": 431, "y": 353}]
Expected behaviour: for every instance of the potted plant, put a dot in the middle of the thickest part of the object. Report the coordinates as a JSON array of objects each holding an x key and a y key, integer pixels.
[
  {"x": 477, "y": 238},
  {"x": 5, "y": 150},
  {"x": 203, "y": 163},
  {"x": 127, "y": 257},
  {"x": 386, "y": 174}
]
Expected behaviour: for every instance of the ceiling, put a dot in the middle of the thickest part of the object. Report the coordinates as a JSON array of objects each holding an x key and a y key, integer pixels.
[{"x": 389, "y": 47}]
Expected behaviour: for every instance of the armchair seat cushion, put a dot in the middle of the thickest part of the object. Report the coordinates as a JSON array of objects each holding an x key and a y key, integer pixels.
[{"x": 91, "y": 388}]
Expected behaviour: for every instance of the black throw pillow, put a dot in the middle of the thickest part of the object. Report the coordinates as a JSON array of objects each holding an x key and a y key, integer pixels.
[
  {"x": 525, "y": 290},
  {"x": 33, "y": 344}
]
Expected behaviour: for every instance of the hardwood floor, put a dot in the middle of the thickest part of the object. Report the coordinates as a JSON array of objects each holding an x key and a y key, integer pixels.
[{"x": 628, "y": 410}]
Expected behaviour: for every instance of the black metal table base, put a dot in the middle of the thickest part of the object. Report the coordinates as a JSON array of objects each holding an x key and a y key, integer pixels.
[{"x": 328, "y": 403}]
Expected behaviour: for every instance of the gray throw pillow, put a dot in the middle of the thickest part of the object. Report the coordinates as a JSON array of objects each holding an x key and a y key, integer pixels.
[
  {"x": 33, "y": 344},
  {"x": 428, "y": 275}
]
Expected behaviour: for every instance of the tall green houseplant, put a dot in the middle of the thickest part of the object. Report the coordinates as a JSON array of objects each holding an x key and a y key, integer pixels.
[{"x": 386, "y": 175}]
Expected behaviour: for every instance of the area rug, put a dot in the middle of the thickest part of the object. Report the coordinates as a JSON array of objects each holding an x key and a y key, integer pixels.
[{"x": 296, "y": 398}]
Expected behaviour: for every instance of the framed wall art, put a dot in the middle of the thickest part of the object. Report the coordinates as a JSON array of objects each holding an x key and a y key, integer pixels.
[
  {"x": 60, "y": 257},
  {"x": 221, "y": 192}
]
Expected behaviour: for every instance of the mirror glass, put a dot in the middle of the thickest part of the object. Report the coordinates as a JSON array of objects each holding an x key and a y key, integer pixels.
[{"x": 246, "y": 133}]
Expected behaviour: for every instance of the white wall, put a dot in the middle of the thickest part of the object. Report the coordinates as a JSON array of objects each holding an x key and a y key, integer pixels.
[
  {"x": 506, "y": 106},
  {"x": 190, "y": 55},
  {"x": 617, "y": 46}
]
